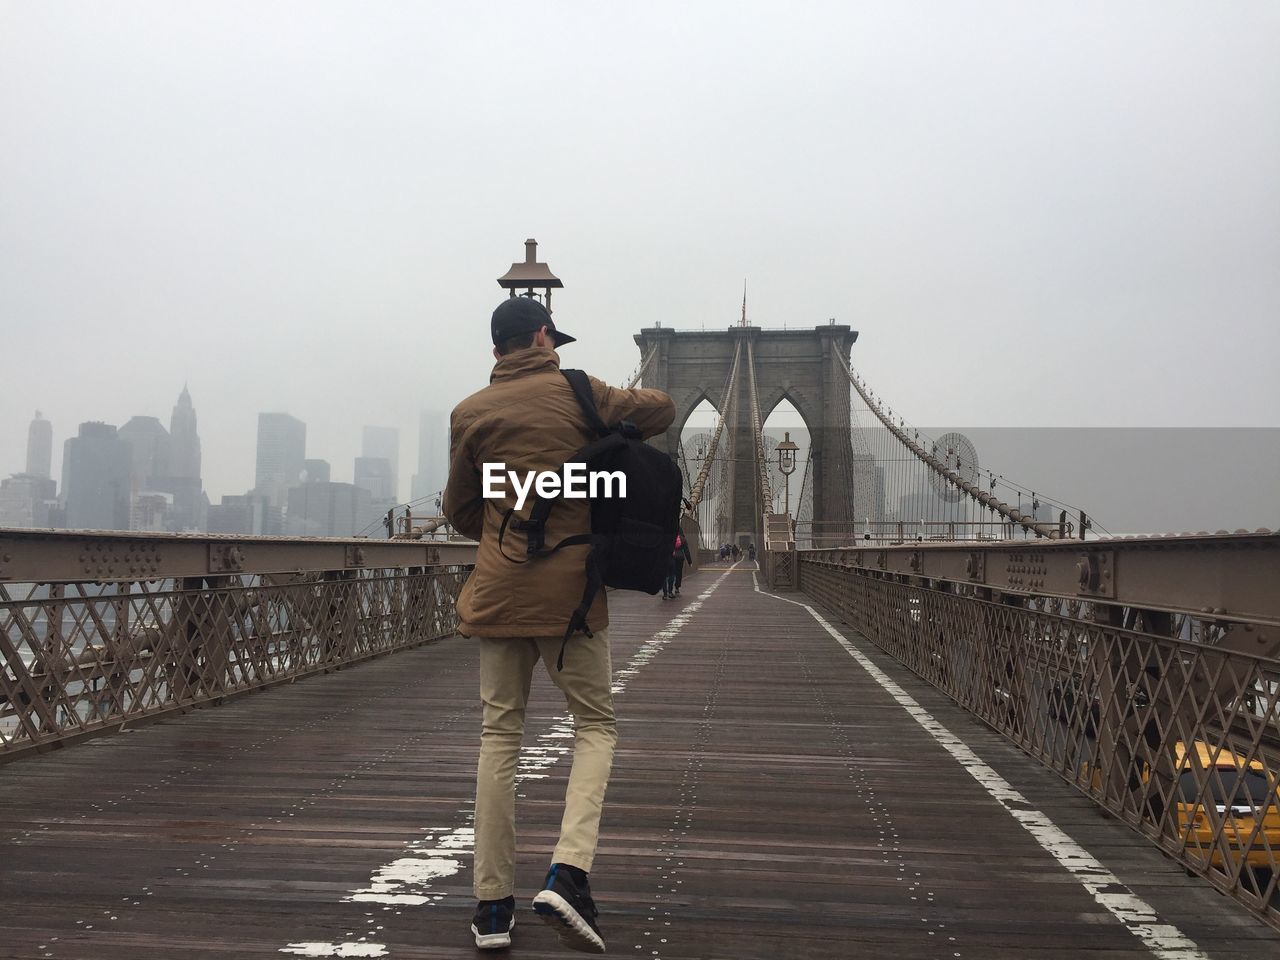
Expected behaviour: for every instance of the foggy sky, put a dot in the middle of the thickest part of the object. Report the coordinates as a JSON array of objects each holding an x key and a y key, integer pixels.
[{"x": 1049, "y": 214}]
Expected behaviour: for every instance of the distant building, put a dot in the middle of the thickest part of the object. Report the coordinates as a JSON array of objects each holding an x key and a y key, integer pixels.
[
  {"x": 247, "y": 514},
  {"x": 375, "y": 475},
  {"x": 282, "y": 450},
  {"x": 316, "y": 471},
  {"x": 384, "y": 443},
  {"x": 433, "y": 455},
  {"x": 184, "y": 458},
  {"x": 27, "y": 501},
  {"x": 151, "y": 511},
  {"x": 149, "y": 454},
  {"x": 96, "y": 470},
  {"x": 231, "y": 516},
  {"x": 40, "y": 448},
  {"x": 189, "y": 511},
  {"x": 190, "y": 507},
  {"x": 149, "y": 450},
  {"x": 328, "y": 510}
]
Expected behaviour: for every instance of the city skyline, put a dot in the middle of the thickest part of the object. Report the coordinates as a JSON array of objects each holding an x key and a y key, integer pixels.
[
  {"x": 234, "y": 479},
  {"x": 164, "y": 469}
]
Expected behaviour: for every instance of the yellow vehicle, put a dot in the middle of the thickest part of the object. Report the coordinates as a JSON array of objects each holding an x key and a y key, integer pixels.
[{"x": 1222, "y": 790}]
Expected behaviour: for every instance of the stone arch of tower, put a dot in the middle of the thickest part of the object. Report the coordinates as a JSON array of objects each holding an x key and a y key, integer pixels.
[
  {"x": 800, "y": 365},
  {"x": 685, "y": 404},
  {"x": 808, "y": 409}
]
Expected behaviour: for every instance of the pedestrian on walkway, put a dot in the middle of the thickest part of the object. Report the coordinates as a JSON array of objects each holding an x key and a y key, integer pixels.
[
  {"x": 529, "y": 419},
  {"x": 679, "y": 553},
  {"x": 687, "y": 557}
]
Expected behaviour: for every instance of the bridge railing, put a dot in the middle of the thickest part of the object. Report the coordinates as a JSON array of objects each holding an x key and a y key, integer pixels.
[
  {"x": 816, "y": 533},
  {"x": 100, "y": 630},
  {"x": 1144, "y": 671}
]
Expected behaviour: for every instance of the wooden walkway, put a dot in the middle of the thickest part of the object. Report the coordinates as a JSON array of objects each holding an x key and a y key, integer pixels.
[{"x": 771, "y": 798}]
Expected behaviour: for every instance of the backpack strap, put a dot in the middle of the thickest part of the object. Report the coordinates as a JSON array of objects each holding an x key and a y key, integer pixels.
[
  {"x": 581, "y": 386},
  {"x": 578, "y": 619}
]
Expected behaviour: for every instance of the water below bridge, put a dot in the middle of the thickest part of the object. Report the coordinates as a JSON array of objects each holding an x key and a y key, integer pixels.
[{"x": 781, "y": 789}]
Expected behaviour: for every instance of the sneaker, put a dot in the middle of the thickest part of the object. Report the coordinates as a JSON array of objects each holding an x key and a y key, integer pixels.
[
  {"x": 565, "y": 903},
  {"x": 493, "y": 922}
]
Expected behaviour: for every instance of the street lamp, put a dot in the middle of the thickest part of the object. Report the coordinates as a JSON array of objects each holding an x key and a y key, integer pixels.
[{"x": 787, "y": 464}]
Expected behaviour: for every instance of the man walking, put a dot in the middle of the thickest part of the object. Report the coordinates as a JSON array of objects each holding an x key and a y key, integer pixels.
[{"x": 518, "y": 609}]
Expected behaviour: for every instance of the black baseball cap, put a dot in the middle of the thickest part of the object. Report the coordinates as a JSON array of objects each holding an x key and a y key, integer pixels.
[{"x": 517, "y": 315}]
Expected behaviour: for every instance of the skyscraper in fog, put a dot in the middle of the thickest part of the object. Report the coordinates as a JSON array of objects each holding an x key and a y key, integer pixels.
[
  {"x": 328, "y": 510},
  {"x": 190, "y": 506},
  {"x": 96, "y": 466},
  {"x": 282, "y": 450},
  {"x": 383, "y": 443},
  {"x": 40, "y": 447},
  {"x": 184, "y": 457},
  {"x": 433, "y": 455},
  {"x": 28, "y": 499},
  {"x": 374, "y": 474},
  {"x": 316, "y": 471},
  {"x": 149, "y": 449}
]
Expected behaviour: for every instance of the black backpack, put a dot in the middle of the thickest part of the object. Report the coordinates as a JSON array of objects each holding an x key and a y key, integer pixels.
[{"x": 631, "y": 537}]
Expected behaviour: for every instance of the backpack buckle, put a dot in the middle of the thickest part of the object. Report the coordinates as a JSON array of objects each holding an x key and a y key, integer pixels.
[
  {"x": 628, "y": 430},
  {"x": 535, "y": 535}
]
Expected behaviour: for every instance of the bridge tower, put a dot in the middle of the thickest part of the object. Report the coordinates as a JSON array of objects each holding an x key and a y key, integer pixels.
[{"x": 796, "y": 365}]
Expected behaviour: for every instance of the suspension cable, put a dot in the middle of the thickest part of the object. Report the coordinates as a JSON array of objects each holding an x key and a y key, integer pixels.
[
  {"x": 699, "y": 485},
  {"x": 644, "y": 366},
  {"x": 949, "y": 476},
  {"x": 764, "y": 488}
]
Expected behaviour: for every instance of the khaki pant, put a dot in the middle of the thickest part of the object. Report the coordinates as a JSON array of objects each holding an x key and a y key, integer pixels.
[{"x": 506, "y": 669}]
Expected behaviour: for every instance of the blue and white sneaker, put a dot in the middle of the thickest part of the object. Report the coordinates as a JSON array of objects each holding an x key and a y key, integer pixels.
[
  {"x": 565, "y": 903},
  {"x": 493, "y": 923}
]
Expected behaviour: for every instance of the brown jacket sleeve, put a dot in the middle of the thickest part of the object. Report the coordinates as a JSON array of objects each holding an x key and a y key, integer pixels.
[
  {"x": 650, "y": 410},
  {"x": 463, "y": 504}
]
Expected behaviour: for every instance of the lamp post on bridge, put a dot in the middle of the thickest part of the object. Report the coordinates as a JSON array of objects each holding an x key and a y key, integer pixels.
[
  {"x": 530, "y": 276},
  {"x": 786, "y": 451}
]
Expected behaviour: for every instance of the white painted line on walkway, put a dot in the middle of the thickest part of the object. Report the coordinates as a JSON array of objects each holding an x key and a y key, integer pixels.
[
  {"x": 1164, "y": 940},
  {"x": 408, "y": 881},
  {"x": 316, "y": 948}
]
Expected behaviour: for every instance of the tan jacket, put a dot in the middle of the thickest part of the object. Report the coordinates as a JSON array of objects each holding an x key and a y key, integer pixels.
[{"x": 529, "y": 419}]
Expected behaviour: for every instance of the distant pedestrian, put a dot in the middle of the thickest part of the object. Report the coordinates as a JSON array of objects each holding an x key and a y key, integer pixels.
[
  {"x": 679, "y": 553},
  {"x": 751, "y": 552},
  {"x": 680, "y": 566},
  {"x": 737, "y": 553}
]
